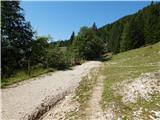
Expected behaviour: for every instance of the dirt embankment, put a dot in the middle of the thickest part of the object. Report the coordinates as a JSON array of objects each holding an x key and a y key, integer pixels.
[{"x": 34, "y": 97}]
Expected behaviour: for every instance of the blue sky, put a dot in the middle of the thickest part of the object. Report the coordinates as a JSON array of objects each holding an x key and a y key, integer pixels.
[{"x": 60, "y": 19}]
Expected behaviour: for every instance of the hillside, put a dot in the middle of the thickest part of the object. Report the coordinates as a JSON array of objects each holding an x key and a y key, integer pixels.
[
  {"x": 129, "y": 32},
  {"x": 133, "y": 31},
  {"x": 132, "y": 85}
]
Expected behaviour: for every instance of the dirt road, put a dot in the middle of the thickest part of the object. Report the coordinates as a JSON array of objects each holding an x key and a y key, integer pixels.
[{"x": 34, "y": 97}]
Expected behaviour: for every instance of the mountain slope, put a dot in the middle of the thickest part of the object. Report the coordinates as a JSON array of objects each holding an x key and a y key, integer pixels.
[{"x": 133, "y": 31}]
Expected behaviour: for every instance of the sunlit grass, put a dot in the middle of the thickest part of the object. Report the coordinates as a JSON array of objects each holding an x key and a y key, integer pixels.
[{"x": 128, "y": 66}]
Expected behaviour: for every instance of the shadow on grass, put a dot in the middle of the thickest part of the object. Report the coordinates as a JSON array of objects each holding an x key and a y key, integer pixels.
[{"x": 104, "y": 58}]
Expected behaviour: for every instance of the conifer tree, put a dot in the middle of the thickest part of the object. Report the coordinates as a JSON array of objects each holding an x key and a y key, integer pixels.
[{"x": 16, "y": 37}]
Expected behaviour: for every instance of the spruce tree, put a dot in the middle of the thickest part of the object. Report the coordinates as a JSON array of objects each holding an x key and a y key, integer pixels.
[
  {"x": 72, "y": 37},
  {"x": 16, "y": 37},
  {"x": 94, "y": 27}
]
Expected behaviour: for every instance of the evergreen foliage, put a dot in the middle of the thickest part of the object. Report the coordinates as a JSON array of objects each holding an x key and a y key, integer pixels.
[
  {"x": 133, "y": 31},
  {"x": 16, "y": 37}
]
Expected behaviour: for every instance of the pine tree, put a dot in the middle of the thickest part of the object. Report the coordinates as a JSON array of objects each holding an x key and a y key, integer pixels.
[
  {"x": 152, "y": 24},
  {"x": 16, "y": 36},
  {"x": 124, "y": 45},
  {"x": 115, "y": 37},
  {"x": 94, "y": 27},
  {"x": 72, "y": 37}
]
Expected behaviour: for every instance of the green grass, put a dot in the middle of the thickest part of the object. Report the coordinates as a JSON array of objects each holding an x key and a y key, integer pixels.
[
  {"x": 21, "y": 75},
  {"x": 129, "y": 65}
]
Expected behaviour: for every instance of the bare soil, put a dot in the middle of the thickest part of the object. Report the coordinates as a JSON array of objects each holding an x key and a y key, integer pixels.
[{"x": 94, "y": 110}]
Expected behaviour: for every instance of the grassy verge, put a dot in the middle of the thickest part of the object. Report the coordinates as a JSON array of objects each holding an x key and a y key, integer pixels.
[
  {"x": 22, "y": 75},
  {"x": 129, "y": 65},
  {"x": 83, "y": 93}
]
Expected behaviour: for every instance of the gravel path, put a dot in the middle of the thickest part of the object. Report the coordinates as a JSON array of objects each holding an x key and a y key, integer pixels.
[{"x": 34, "y": 97}]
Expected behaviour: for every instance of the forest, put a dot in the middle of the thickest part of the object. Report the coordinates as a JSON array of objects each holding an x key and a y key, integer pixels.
[{"x": 23, "y": 50}]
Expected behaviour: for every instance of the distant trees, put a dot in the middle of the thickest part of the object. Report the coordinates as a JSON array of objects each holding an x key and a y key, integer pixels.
[
  {"x": 61, "y": 43},
  {"x": 132, "y": 35},
  {"x": 152, "y": 24},
  {"x": 115, "y": 37},
  {"x": 125, "y": 42},
  {"x": 134, "y": 30}
]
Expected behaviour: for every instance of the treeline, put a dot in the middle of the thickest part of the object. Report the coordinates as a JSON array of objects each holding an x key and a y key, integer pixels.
[
  {"x": 23, "y": 50},
  {"x": 133, "y": 31}
]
